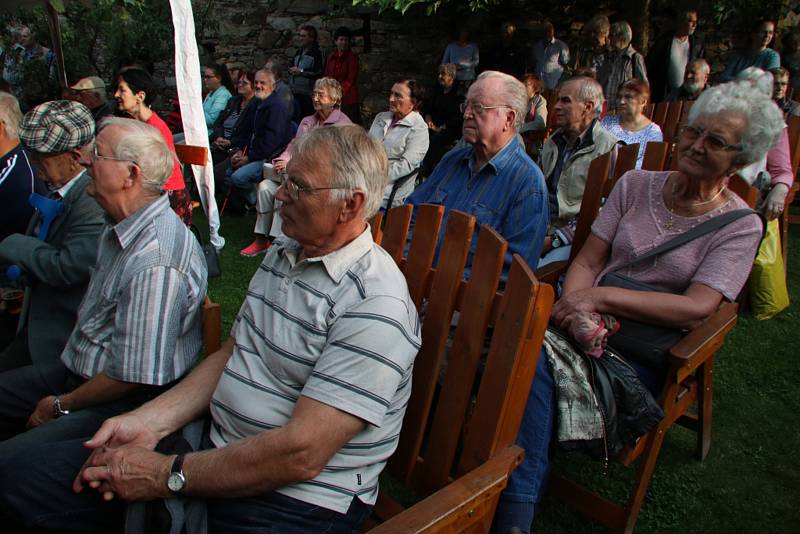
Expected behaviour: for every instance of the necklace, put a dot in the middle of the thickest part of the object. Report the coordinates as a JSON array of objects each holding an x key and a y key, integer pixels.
[{"x": 671, "y": 221}]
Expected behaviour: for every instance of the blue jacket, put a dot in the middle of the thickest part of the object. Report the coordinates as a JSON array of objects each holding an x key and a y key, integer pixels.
[{"x": 271, "y": 130}]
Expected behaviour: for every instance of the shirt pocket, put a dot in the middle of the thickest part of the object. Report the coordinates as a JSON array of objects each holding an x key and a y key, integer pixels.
[
  {"x": 438, "y": 196},
  {"x": 97, "y": 319},
  {"x": 488, "y": 214}
]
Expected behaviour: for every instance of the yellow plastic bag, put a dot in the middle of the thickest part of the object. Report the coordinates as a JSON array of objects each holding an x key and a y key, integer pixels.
[{"x": 768, "y": 293}]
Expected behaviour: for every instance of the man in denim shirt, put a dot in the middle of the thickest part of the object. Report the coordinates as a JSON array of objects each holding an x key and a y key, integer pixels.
[{"x": 493, "y": 179}]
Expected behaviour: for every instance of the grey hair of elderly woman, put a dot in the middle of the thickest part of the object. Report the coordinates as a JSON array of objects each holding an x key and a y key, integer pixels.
[
  {"x": 333, "y": 88},
  {"x": 357, "y": 162},
  {"x": 449, "y": 69},
  {"x": 760, "y": 79},
  {"x": 764, "y": 118},
  {"x": 514, "y": 94}
]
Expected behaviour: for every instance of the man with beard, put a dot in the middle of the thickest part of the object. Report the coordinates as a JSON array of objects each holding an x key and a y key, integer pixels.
[
  {"x": 694, "y": 82},
  {"x": 671, "y": 54}
]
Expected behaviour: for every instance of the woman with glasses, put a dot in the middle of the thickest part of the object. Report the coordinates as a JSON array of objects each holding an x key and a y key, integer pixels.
[
  {"x": 404, "y": 135},
  {"x": 135, "y": 93},
  {"x": 327, "y": 101},
  {"x": 729, "y": 126},
  {"x": 219, "y": 88},
  {"x": 630, "y": 123},
  {"x": 235, "y": 124},
  {"x": 757, "y": 53}
]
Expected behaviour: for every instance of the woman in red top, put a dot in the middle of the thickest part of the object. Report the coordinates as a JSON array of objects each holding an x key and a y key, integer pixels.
[
  {"x": 135, "y": 92},
  {"x": 342, "y": 66}
]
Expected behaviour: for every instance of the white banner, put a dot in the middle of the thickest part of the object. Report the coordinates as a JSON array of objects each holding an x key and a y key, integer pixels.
[{"x": 189, "y": 82}]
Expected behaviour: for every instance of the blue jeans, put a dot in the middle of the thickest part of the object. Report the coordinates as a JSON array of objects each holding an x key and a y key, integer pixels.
[
  {"x": 525, "y": 486},
  {"x": 246, "y": 177}
]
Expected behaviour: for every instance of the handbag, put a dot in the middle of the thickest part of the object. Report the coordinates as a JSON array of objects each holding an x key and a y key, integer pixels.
[
  {"x": 767, "y": 287},
  {"x": 648, "y": 343},
  {"x": 209, "y": 253}
]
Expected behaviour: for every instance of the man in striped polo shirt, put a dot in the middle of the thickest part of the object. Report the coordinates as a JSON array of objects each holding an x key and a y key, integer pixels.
[
  {"x": 138, "y": 328},
  {"x": 308, "y": 394}
]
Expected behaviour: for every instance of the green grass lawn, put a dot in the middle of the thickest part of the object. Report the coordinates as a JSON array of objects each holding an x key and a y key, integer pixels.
[{"x": 751, "y": 479}]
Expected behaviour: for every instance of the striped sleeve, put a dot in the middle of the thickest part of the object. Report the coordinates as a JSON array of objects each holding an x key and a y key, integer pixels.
[
  {"x": 150, "y": 317},
  {"x": 367, "y": 358}
]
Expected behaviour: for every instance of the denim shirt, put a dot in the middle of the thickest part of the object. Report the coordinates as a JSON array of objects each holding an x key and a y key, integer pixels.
[{"x": 508, "y": 194}]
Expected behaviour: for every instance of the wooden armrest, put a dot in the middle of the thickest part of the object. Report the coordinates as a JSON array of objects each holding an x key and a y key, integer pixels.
[
  {"x": 704, "y": 340},
  {"x": 462, "y": 502},
  {"x": 549, "y": 273}
]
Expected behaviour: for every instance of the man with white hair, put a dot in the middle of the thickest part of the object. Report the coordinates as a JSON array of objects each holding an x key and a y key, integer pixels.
[
  {"x": 493, "y": 178},
  {"x": 620, "y": 64},
  {"x": 139, "y": 325},
  {"x": 308, "y": 394},
  {"x": 91, "y": 92},
  {"x": 695, "y": 81},
  {"x": 59, "y": 245},
  {"x": 566, "y": 156}
]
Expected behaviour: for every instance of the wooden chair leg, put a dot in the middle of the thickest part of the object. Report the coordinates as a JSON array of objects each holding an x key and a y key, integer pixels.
[
  {"x": 644, "y": 473},
  {"x": 705, "y": 385}
]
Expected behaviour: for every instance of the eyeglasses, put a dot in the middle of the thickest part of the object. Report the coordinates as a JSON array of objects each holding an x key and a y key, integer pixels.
[
  {"x": 293, "y": 189},
  {"x": 710, "y": 141},
  {"x": 96, "y": 156},
  {"x": 478, "y": 108}
]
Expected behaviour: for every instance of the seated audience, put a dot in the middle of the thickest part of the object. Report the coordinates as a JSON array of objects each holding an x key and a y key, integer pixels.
[
  {"x": 292, "y": 432},
  {"x": 326, "y": 98},
  {"x": 136, "y": 92},
  {"x": 306, "y": 67},
  {"x": 550, "y": 56},
  {"x": 566, "y": 156},
  {"x": 592, "y": 47},
  {"x": 443, "y": 116},
  {"x": 404, "y": 135},
  {"x": 139, "y": 325},
  {"x": 219, "y": 87},
  {"x": 771, "y": 174},
  {"x": 506, "y": 55},
  {"x": 277, "y": 66},
  {"x": 756, "y": 54},
  {"x": 780, "y": 92},
  {"x": 56, "y": 259},
  {"x": 17, "y": 180},
  {"x": 671, "y": 53},
  {"x": 91, "y": 92},
  {"x": 729, "y": 126},
  {"x": 630, "y": 125},
  {"x": 695, "y": 81},
  {"x": 271, "y": 132},
  {"x": 620, "y": 64},
  {"x": 342, "y": 66},
  {"x": 491, "y": 177},
  {"x": 464, "y": 54},
  {"x": 234, "y": 125}
]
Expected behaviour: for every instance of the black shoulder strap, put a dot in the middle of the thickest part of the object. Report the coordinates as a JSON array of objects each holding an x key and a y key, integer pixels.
[{"x": 701, "y": 229}]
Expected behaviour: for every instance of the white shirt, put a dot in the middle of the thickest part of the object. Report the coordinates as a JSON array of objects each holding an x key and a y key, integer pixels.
[{"x": 678, "y": 59}]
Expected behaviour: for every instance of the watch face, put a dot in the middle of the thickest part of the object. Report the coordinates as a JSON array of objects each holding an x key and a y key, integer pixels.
[{"x": 175, "y": 482}]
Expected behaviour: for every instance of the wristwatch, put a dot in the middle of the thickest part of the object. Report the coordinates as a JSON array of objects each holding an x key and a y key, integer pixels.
[
  {"x": 58, "y": 411},
  {"x": 176, "y": 480},
  {"x": 556, "y": 242}
]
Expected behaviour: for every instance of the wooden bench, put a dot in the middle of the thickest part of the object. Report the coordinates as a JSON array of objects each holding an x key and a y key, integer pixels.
[{"x": 456, "y": 448}]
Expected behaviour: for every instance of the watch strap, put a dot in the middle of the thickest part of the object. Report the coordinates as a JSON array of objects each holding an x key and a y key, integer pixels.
[{"x": 177, "y": 464}]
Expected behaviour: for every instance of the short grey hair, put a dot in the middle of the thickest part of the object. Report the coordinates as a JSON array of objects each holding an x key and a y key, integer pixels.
[
  {"x": 143, "y": 144},
  {"x": 759, "y": 79},
  {"x": 448, "y": 69},
  {"x": 357, "y": 162},
  {"x": 269, "y": 73},
  {"x": 10, "y": 114},
  {"x": 277, "y": 66},
  {"x": 764, "y": 119},
  {"x": 703, "y": 64},
  {"x": 514, "y": 94},
  {"x": 622, "y": 30},
  {"x": 333, "y": 87},
  {"x": 589, "y": 90}
]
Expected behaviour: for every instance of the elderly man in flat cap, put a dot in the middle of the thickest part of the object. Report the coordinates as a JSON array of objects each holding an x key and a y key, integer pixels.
[
  {"x": 91, "y": 92},
  {"x": 139, "y": 325},
  {"x": 55, "y": 254}
]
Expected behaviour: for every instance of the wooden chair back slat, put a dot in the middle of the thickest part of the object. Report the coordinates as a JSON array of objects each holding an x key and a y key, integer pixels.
[
  {"x": 794, "y": 141},
  {"x": 212, "y": 326},
  {"x": 510, "y": 366},
  {"x": 435, "y": 329},
  {"x": 746, "y": 192},
  {"x": 375, "y": 224},
  {"x": 462, "y": 362},
  {"x": 660, "y": 114},
  {"x": 590, "y": 204},
  {"x": 655, "y": 155},
  {"x": 687, "y": 107},
  {"x": 422, "y": 250},
  {"x": 626, "y": 160},
  {"x": 192, "y": 155},
  {"x": 395, "y": 231},
  {"x": 648, "y": 110},
  {"x": 671, "y": 121}
]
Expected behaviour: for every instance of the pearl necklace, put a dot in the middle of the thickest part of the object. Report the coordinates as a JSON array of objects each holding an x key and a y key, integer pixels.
[{"x": 671, "y": 221}]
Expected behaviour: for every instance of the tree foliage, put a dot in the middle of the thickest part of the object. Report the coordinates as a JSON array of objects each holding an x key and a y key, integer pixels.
[{"x": 430, "y": 5}]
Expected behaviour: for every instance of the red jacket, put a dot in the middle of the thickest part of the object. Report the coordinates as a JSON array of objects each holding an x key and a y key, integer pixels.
[{"x": 344, "y": 69}]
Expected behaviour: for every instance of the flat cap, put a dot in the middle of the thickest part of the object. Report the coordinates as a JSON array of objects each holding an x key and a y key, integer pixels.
[
  {"x": 57, "y": 126},
  {"x": 86, "y": 84}
]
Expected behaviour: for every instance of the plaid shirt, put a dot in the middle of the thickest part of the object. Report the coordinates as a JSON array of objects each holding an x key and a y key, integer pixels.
[{"x": 619, "y": 66}]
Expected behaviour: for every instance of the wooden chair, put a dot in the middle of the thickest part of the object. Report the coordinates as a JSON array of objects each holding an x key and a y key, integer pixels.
[
  {"x": 626, "y": 160},
  {"x": 192, "y": 155},
  {"x": 671, "y": 121},
  {"x": 648, "y": 110},
  {"x": 457, "y": 447},
  {"x": 746, "y": 192},
  {"x": 212, "y": 326},
  {"x": 655, "y": 156},
  {"x": 660, "y": 114}
]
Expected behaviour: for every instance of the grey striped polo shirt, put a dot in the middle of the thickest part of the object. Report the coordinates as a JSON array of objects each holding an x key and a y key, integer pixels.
[
  {"x": 340, "y": 329},
  {"x": 141, "y": 318}
]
